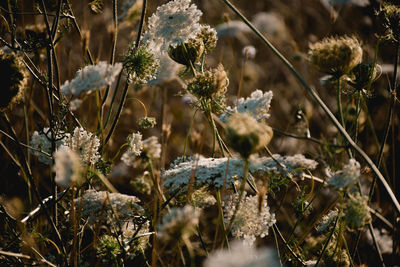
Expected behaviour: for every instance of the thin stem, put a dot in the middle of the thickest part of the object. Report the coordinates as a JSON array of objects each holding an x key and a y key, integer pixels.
[{"x": 322, "y": 105}]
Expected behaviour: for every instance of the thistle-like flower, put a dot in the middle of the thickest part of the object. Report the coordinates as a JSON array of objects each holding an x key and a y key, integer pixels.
[
  {"x": 173, "y": 23},
  {"x": 68, "y": 168},
  {"x": 140, "y": 64},
  {"x": 92, "y": 77},
  {"x": 14, "y": 79},
  {"x": 246, "y": 135},
  {"x": 336, "y": 55}
]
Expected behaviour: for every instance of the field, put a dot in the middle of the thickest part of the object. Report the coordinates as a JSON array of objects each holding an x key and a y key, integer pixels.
[{"x": 199, "y": 133}]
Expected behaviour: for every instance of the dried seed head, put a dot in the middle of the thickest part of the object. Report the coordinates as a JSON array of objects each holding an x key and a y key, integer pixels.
[
  {"x": 14, "y": 79},
  {"x": 187, "y": 53},
  {"x": 246, "y": 135},
  {"x": 390, "y": 15},
  {"x": 210, "y": 84},
  {"x": 147, "y": 122},
  {"x": 364, "y": 74},
  {"x": 336, "y": 55}
]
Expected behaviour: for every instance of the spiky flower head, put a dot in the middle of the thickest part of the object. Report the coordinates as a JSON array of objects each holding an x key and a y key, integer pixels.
[
  {"x": 140, "y": 64},
  {"x": 348, "y": 175},
  {"x": 336, "y": 55},
  {"x": 246, "y": 135},
  {"x": 179, "y": 223},
  {"x": 68, "y": 168},
  {"x": 173, "y": 23},
  {"x": 147, "y": 122},
  {"x": 251, "y": 220},
  {"x": 210, "y": 84},
  {"x": 390, "y": 15},
  {"x": 356, "y": 211},
  {"x": 14, "y": 79}
]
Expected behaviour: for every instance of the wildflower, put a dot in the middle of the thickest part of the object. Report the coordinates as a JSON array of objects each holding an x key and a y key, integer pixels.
[
  {"x": 92, "y": 77},
  {"x": 349, "y": 174},
  {"x": 208, "y": 36},
  {"x": 135, "y": 145},
  {"x": 257, "y": 105},
  {"x": 250, "y": 221},
  {"x": 142, "y": 184},
  {"x": 363, "y": 74},
  {"x": 327, "y": 221},
  {"x": 336, "y": 56},
  {"x": 356, "y": 211},
  {"x": 42, "y": 141},
  {"x": 210, "y": 84},
  {"x": 108, "y": 249},
  {"x": 390, "y": 15},
  {"x": 68, "y": 168},
  {"x": 172, "y": 24},
  {"x": 100, "y": 206},
  {"x": 86, "y": 144},
  {"x": 14, "y": 79},
  {"x": 246, "y": 135},
  {"x": 187, "y": 53},
  {"x": 216, "y": 172},
  {"x": 241, "y": 254},
  {"x": 179, "y": 223},
  {"x": 140, "y": 64},
  {"x": 166, "y": 71},
  {"x": 151, "y": 148},
  {"x": 249, "y": 52},
  {"x": 147, "y": 122}
]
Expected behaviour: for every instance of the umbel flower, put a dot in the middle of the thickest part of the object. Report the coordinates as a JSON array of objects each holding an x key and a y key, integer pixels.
[
  {"x": 348, "y": 175},
  {"x": 14, "y": 79},
  {"x": 336, "y": 55},
  {"x": 209, "y": 85},
  {"x": 179, "y": 223},
  {"x": 140, "y": 64},
  {"x": 68, "y": 168},
  {"x": 173, "y": 23},
  {"x": 92, "y": 77},
  {"x": 390, "y": 15},
  {"x": 250, "y": 220},
  {"x": 246, "y": 135},
  {"x": 356, "y": 211}
]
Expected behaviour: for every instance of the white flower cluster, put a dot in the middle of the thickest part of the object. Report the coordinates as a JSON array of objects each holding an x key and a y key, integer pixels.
[
  {"x": 179, "y": 223},
  {"x": 92, "y": 77},
  {"x": 67, "y": 167},
  {"x": 349, "y": 174},
  {"x": 242, "y": 255},
  {"x": 257, "y": 105},
  {"x": 148, "y": 147},
  {"x": 220, "y": 171},
  {"x": 173, "y": 23},
  {"x": 249, "y": 221},
  {"x": 166, "y": 71},
  {"x": 99, "y": 206},
  {"x": 327, "y": 220},
  {"x": 42, "y": 142},
  {"x": 86, "y": 144}
]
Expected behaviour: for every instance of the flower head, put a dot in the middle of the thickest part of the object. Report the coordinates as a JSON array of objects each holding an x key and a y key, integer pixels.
[
  {"x": 246, "y": 135},
  {"x": 135, "y": 146},
  {"x": 86, "y": 144},
  {"x": 141, "y": 64},
  {"x": 14, "y": 79},
  {"x": 210, "y": 84},
  {"x": 356, "y": 211},
  {"x": 336, "y": 56},
  {"x": 179, "y": 223},
  {"x": 173, "y": 23},
  {"x": 349, "y": 174},
  {"x": 147, "y": 122},
  {"x": 257, "y": 105},
  {"x": 250, "y": 221},
  {"x": 92, "y": 77},
  {"x": 67, "y": 167}
]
